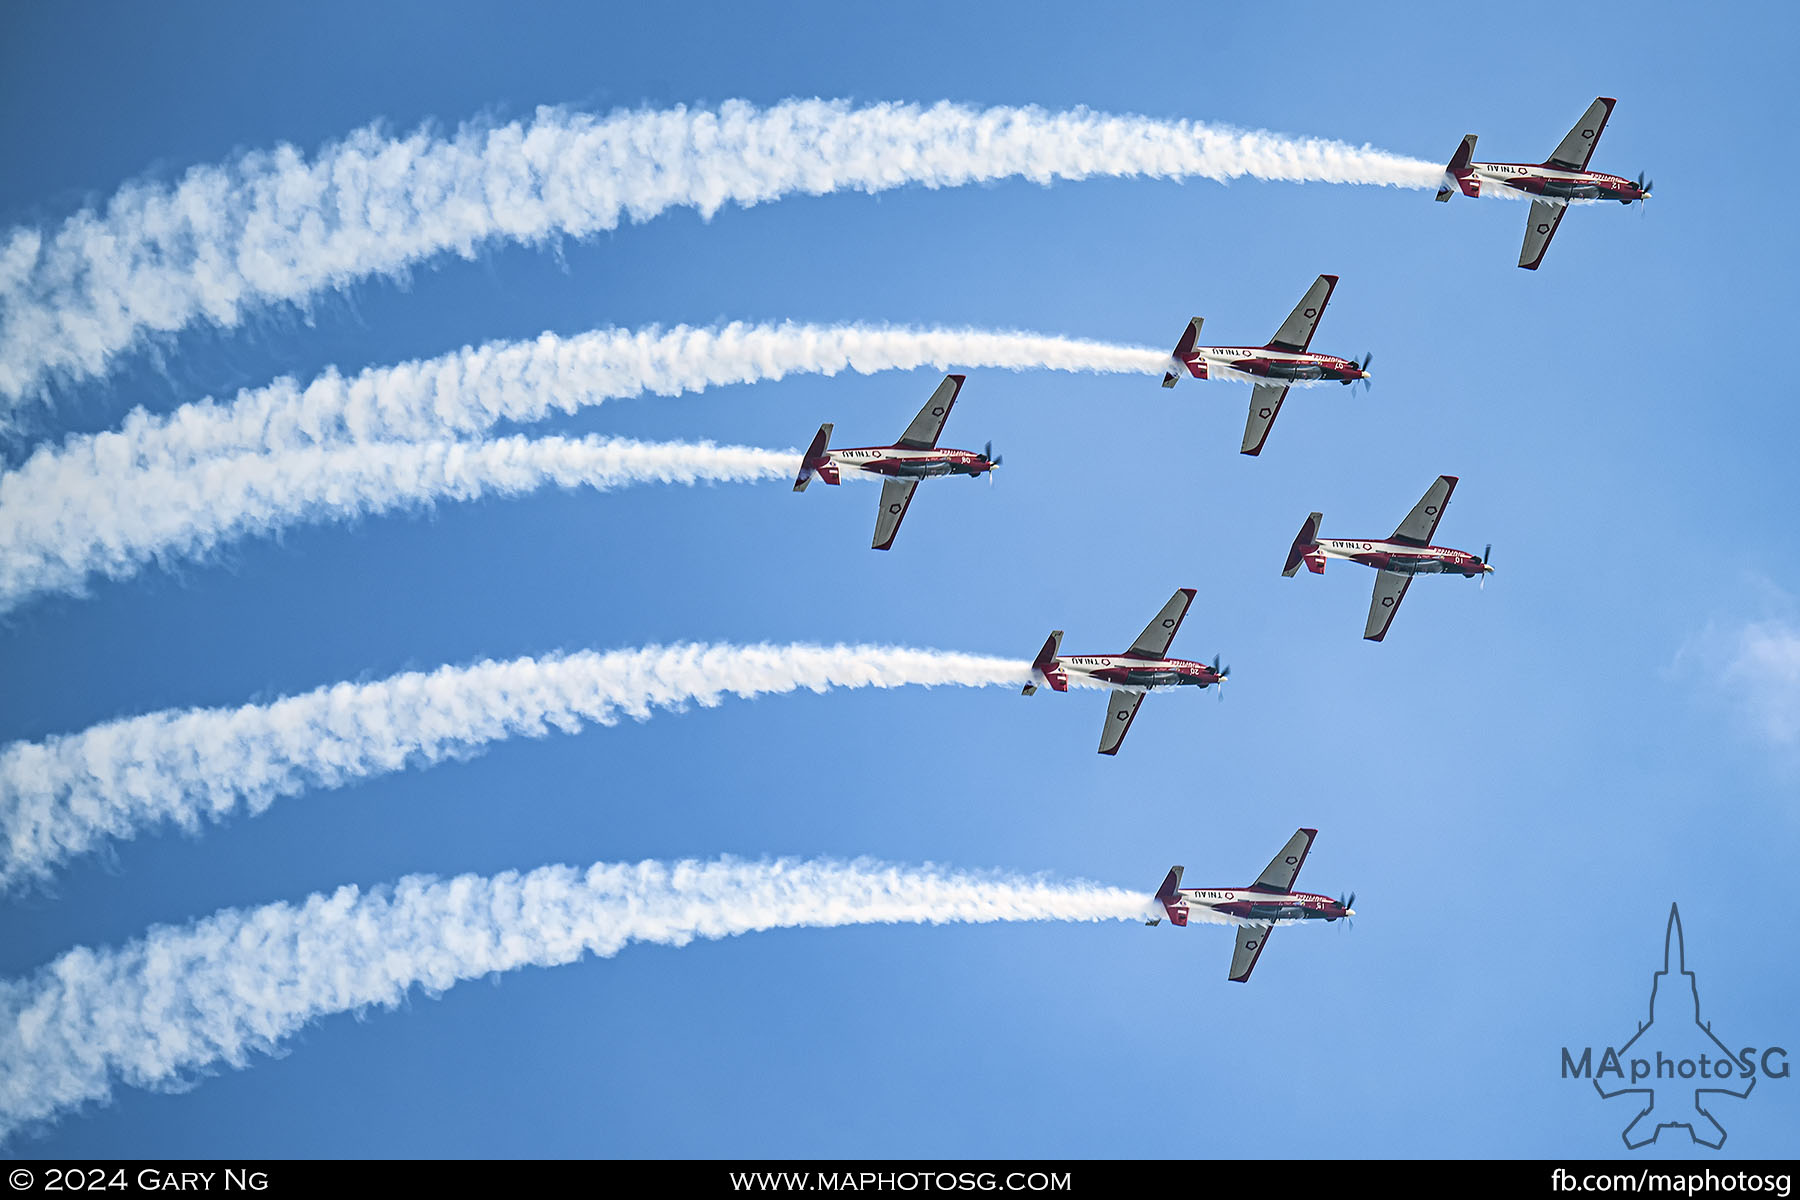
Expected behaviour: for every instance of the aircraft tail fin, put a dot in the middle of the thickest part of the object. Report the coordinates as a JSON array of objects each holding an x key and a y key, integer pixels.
[
  {"x": 1178, "y": 361},
  {"x": 1167, "y": 895},
  {"x": 817, "y": 462},
  {"x": 1044, "y": 666},
  {"x": 1459, "y": 175},
  {"x": 1306, "y": 548}
]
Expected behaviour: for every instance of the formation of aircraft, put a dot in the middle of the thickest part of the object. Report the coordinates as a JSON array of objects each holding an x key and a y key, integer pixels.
[
  {"x": 1272, "y": 368},
  {"x": 900, "y": 466},
  {"x": 1396, "y": 559},
  {"x": 1141, "y": 669},
  {"x": 1256, "y": 909},
  {"x": 1551, "y": 184}
]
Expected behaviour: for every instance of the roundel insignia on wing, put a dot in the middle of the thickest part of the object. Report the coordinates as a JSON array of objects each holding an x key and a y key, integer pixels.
[
  {"x": 893, "y": 508},
  {"x": 1250, "y": 944},
  {"x": 1124, "y": 714},
  {"x": 1431, "y": 510},
  {"x": 1263, "y": 413},
  {"x": 1387, "y": 602},
  {"x": 1291, "y": 860},
  {"x": 1543, "y": 227},
  {"x": 938, "y": 411},
  {"x": 1312, "y": 312},
  {"x": 1168, "y": 622},
  {"x": 1587, "y": 133}
]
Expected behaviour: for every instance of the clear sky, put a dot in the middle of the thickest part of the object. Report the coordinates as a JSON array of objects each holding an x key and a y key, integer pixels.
[{"x": 1517, "y": 783}]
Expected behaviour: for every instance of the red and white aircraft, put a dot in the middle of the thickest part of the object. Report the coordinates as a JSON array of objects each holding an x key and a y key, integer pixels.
[
  {"x": 1257, "y": 909},
  {"x": 1131, "y": 675},
  {"x": 1396, "y": 560},
  {"x": 1551, "y": 184},
  {"x": 1271, "y": 368},
  {"x": 900, "y": 466}
]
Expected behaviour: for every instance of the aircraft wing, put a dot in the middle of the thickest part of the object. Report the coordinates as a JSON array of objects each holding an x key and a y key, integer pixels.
[
  {"x": 1390, "y": 589},
  {"x": 1250, "y": 942},
  {"x": 1423, "y": 520},
  {"x": 1540, "y": 227},
  {"x": 896, "y": 498},
  {"x": 923, "y": 433},
  {"x": 1296, "y": 333},
  {"x": 1154, "y": 641},
  {"x": 1265, "y": 405},
  {"x": 1121, "y": 711},
  {"x": 1573, "y": 153},
  {"x": 1284, "y": 868}
]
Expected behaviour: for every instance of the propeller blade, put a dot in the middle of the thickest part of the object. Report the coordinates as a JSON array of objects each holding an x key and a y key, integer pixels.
[{"x": 988, "y": 453}]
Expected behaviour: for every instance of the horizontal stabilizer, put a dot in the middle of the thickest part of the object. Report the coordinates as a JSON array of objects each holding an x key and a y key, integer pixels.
[
  {"x": 1044, "y": 666},
  {"x": 1459, "y": 174},
  {"x": 1183, "y": 348},
  {"x": 1306, "y": 541},
  {"x": 1167, "y": 894},
  {"x": 815, "y": 459}
]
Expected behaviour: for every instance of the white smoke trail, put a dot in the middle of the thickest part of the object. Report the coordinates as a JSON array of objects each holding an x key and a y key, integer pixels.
[
  {"x": 61, "y": 796},
  {"x": 54, "y": 539},
  {"x": 155, "y": 1012},
  {"x": 471, "y": 390},
  {"x": 276, "y": 226}
]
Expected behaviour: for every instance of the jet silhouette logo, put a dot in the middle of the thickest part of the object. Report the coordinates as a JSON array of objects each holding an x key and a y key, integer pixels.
[{"x": 1677, "y": 1055}]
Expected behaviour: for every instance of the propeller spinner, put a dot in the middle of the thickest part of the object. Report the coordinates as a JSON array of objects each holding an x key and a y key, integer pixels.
[{"x": 987, "y": 456}]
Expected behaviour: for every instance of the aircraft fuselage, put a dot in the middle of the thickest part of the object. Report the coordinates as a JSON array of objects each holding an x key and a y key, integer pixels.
[
  {"x": 893, "y": 462},
  {"x": 1400, "y": 558},
  {"x": 1266, "y": 362},
  {"x": 1137, "y": 674},
  {"x": 1247, "y": 906},
  {"x": 1552, "y": 183}
]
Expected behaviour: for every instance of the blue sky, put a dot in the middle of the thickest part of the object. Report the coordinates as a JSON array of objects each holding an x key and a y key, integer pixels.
[{"x": 1517, "y": 783}]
